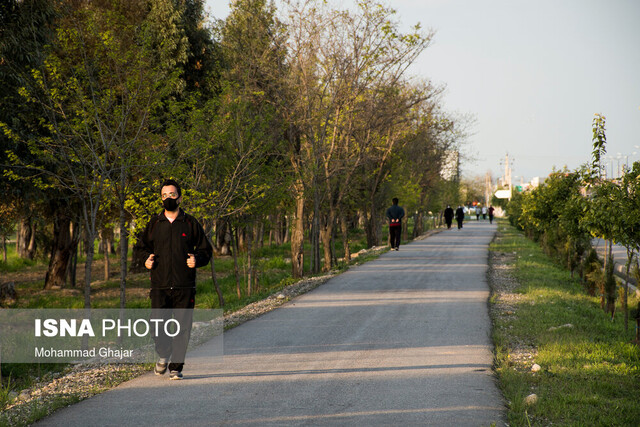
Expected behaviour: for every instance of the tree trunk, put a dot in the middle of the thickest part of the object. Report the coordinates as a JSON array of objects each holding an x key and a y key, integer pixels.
[
  {"x": 344, "y": 228},
  {"x": 223, "y": 239},
  {"x": 315, "y": 233},
  {"x": 259, "y": 235},
  {"x": 297, "y": 235},
  {"x": 60, "y": 251},
  {"x": 258, "y": 241},
  {"x": 249, "y": 261},
  {"x": 610, "y": 282},
  {"x": 31, "y": 248},
  {"x": 371, "y": 226},
  {"x": 124, "y": 249},
  {"x": 235, "y": 262},
  {"x": 23, "y": 236},
  {"x": 314, "y": 239},
  {"x": 25, "y": 239},
  {"x": 278, "y": 229},
  {"x": 241, "y": 238},
  {"x": 625, "y": 297},
  {"x": 417, "y": 225},
  {"x": 87, "y": 270},
  {"x": 405, "y": 228},
  {"x": 326, "y": 233},
  {"x": 18, "y": 237},
  {"x": 215, "y": 282},
  {"x": 4, "y": 248},
  {"x": 334, "y": 257},
  {"x": 287, "y": 229},
  {"x": 105, "y": 248},
  {"x": 362, "y": 219},
  {"x": 73, "y": 260}
]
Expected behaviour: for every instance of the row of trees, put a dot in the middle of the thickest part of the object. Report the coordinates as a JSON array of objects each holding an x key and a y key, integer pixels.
[
  {"x": 572, "y": 207},
  {"x": 301, "y": 120}
]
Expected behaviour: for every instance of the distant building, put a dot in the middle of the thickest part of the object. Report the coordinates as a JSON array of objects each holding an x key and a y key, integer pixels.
[{"x": 535, "y": 182}]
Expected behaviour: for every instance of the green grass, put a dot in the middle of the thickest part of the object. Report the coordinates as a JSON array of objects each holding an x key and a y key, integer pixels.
[
  {"x": 14, "y": 262},
  {"x": 590, "y": 372}
]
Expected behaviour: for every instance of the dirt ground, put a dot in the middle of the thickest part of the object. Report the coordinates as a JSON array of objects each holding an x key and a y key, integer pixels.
[{"x": 137, "y": 282}]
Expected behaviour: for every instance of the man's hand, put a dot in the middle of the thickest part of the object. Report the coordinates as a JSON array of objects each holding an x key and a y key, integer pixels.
[
  {"x": 149, "y": 262},
  {"x": 191, "y": 261}
]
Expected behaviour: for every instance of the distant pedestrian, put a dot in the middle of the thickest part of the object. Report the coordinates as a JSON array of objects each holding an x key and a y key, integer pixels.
[
  {"x": 460, "y": 216},
  {"x": 491, "y": 209},
  {"x": 478, "y": 212},
  {"x": 395, "y": 214},
  {"x": 448, "y": 216},
  {"x": 484, "y": 212}
]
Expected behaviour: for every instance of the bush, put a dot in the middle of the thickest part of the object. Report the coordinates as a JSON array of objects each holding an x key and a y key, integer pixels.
[{"x": 552, "y": 215}]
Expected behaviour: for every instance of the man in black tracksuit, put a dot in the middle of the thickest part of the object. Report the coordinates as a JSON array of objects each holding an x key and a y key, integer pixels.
[
  {"x": 448, "y": 216},
  {"x": 460, "y": 216},
  {"x": 395, "y": 214},
  {"x": 174, "y": 245}
]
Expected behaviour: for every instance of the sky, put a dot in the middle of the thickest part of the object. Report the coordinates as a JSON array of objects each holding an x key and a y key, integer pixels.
[{"x": 532, "y": 74}]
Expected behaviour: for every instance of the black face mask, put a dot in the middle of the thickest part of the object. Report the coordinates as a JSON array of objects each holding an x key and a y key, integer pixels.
[{"x": 170, "y": 204}]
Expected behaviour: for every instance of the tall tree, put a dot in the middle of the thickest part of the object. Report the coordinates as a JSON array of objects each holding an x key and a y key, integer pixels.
[
  {"x": 96, "y": 90},
  {"x": 343, "y": 67},
  {"x": 602, "y": 216},
  {"x": 201, "y": 70},
  {"x": 26, "y": 27},
  {"x": 629, "y": 234}
]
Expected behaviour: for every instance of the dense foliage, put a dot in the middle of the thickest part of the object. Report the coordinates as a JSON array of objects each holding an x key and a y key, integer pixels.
[
  {"x": 572, "y": 207},
  {"x": 297, "y": 123}
]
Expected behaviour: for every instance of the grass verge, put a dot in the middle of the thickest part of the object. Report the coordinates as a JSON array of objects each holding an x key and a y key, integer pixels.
[{"x": 589, "y": 367}]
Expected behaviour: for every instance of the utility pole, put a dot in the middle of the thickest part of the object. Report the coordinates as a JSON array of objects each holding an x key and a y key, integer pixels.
[
  {"x": 487, "y": 189},
  {"x": 507, "y": 174}
]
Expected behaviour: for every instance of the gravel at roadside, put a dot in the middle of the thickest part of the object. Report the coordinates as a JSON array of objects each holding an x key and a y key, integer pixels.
[{"x": 505, "y": 300}]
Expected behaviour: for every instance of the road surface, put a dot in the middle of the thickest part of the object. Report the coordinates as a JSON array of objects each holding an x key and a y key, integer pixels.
[{"x": 401, "y": 340}]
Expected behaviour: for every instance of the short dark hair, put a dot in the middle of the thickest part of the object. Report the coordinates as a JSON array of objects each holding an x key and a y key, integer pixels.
[
  {"x": 395, "y": 200},
  {"x": 171, "y": 182}
]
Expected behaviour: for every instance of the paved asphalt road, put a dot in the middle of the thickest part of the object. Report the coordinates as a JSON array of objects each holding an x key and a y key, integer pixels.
[{"x": 402, "y": 340}]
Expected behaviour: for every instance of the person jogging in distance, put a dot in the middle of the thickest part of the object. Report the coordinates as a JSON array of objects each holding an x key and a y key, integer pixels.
[{"x": 174, "y": 244}]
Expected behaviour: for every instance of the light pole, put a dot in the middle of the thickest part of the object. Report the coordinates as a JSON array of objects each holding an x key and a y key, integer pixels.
[{"x": 610, "y": 158}]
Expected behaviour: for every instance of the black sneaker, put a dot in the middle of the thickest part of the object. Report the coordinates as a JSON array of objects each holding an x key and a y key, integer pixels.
[
  {"x": 175, "y": 375},
  {"x": 160, "y": 368}
]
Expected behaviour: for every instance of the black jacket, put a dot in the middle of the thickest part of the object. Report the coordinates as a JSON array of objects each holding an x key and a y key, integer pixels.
[
  {"x": 171, "y": 242},
  {"x": 395, "y": 212},
  {"x": 448, "y": 214}
]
